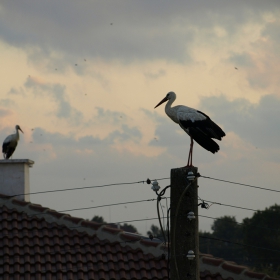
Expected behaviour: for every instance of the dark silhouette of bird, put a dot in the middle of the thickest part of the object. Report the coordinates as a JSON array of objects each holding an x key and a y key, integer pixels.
[
  {"x": 195, "y": 123},
  {"x": 10, "y": 143}
]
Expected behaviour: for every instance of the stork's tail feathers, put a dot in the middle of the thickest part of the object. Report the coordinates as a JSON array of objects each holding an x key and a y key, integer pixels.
[{"x": 204, "y": 141}]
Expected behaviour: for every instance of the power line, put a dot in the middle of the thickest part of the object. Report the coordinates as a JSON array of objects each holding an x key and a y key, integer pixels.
[
  {"x": 241, "y": 184},
  {"x": 233, "y": 206},
  {"x": 138, "y": 182},
  {"x": 99, "y": 206},
  {"x": 241, "y": 224},
  {"x": 240, "y": 244},
  {"x": 91, "y": 187}
]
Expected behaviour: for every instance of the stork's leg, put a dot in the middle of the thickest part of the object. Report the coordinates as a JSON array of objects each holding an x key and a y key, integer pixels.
[
  {"x": 190, "y": 153},
  {"x": 189, "y": 158}
]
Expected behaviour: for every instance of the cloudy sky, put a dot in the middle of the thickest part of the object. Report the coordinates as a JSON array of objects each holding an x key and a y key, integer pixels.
[{"x": 82, "y": 78}]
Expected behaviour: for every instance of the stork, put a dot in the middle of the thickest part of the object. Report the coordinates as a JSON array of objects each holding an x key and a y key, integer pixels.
[
  {"x": 10, "y": 143},
  {"x": 195, "y": 123}
]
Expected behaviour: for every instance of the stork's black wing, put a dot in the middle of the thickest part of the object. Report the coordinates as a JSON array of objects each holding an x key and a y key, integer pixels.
[
  {"x": 7, "y": 150},
  {"x": 5, "y": 147},
  {"x": 205, "y": 126},
  {"x": 210, "y": 128},
  {"x": 202, "y": 131}
]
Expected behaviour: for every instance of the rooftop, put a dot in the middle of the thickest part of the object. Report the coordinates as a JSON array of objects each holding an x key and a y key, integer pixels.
[{"x": 40, "y": 243}]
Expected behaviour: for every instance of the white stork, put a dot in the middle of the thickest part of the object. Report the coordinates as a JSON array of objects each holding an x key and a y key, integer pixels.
[
  {"x": 10, "y": 143},
  {"x": 195, "y": 123}
]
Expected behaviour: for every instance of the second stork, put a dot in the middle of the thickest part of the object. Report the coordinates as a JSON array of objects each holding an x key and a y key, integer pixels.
[{"x": 10, "y": 143}]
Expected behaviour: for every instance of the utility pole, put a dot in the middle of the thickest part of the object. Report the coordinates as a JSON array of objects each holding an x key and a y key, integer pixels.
[{"x": 184, "y": 231}]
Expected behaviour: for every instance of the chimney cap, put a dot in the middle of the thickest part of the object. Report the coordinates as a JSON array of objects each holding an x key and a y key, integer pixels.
[{"x": 15, "y": 161}]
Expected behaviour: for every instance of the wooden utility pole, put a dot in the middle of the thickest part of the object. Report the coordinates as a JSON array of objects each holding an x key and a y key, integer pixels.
[{"x": 184, "y": 232}]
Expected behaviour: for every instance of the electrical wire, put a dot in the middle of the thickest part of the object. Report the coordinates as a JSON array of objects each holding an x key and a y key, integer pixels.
[
  {"x": 233, "y": 206},
  {"x": 99, "y": 206},
  {"x": 240, "y": 224},
  {"x": 159, "y": 197},
  {"x": 138, "y": 182},
  {"x": 168, "y": 245},
  {"x": 163, "y": 235},
  {"x": 237, "y": 243},
  {"x": 81, "y": 188},
  {"x": 163, "y": 222},
  {"x": 241, "y": 184}
]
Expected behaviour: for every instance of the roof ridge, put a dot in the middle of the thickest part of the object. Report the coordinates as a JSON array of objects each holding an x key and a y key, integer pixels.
[
  {"x": 229, "y": 269},
  {"x": 102, "y": 231}
]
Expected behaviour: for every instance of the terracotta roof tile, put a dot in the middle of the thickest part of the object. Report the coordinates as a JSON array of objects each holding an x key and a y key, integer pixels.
[
  {"x": 73, "y": 219},
  {"x": 237, "y": 269},
  {"x": 89, "y": 224},
  {"x": 38, "y": 243},
  {"x": 149, "y": 243},
  {"x": 59, "y": 250},
  {"x": 212, "y": 261},
  {"x": 129, "y": 237},
  {"x": 270, "y": 278},
  {"x": 56, "y": 214},
  {"x": 255, "y": 275},
  {"x": 20, "y": 202},
  {"x": 111, "y": 230},
  {"x": 37, "y": 207}
]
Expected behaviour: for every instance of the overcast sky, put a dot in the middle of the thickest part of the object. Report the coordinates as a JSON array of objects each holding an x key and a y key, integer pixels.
[{"x": 82, "y": 78}]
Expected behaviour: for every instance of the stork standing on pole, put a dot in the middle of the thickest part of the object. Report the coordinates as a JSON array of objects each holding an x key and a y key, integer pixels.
[
  {"x": 195, "y": 123},
  {"x": 10, "y": 143}
]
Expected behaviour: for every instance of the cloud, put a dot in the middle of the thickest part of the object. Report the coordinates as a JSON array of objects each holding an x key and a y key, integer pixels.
[
  {"x": 155, "y": 75},
  {"x": 14, "y": 91},
  {"x": 58, "y": 93},
  {"x": 5, "y": 113},
  {"x": 241, "y": 59},
  {"x": 7, "y": 102},
  {"x": 64, "y": 142},
  {"x": 256, "y": 123},
  {"x": 139, "y": 31},
  {"x": 109, "y": 116}
]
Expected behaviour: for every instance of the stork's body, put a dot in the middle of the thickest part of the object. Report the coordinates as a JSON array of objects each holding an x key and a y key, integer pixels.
[
  {"x": 195, "y": 123},
  {"x": 10, "y": 143}
]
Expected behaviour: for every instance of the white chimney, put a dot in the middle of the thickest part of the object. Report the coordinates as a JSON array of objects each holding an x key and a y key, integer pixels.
[{"x": 14, "y": 178}]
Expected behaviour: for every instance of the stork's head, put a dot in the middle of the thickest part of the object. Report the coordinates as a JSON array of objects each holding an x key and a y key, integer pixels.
[
  {"x": 18, "y": 128},
  {"x": 169, "y": 96}
]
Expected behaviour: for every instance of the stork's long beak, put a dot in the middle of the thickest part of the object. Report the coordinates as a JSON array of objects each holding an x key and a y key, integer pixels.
[
  {"x": 162, "y": 101},
  {"x": 20, "y": 129}
]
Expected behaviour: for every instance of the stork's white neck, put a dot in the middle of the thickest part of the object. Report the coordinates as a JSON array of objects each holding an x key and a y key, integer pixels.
[
  {"x": 17, "y": 133},
  {"x": 169, "y": 111}
]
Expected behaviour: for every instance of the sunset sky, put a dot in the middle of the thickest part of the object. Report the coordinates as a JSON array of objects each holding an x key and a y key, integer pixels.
[{"x": 82, "y": 79}]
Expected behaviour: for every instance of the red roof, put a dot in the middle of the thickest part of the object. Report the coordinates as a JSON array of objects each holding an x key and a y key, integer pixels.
[{"x": 39, "y": 243}]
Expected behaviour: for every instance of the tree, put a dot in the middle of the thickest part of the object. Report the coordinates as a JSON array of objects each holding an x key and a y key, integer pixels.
[
  {"x": 258, "y": 236},
  {"x": 98, "y": 219},
  {"x": 227, "y": 228},
  {"x": 125, "y": 227},
  {"x": 263, "y": 230},
  {"x": 224, "y": 228},
  {"x": 129, "y": 228},
  {"x": 156, "y": 232}
]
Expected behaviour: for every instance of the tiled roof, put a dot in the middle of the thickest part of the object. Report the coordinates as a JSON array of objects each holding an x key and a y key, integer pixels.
[
  {"x": 39, "y": 243},
  {"x": 216, "y": 268}
]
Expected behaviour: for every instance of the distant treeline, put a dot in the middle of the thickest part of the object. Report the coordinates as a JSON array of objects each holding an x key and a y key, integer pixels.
[{"x": 255, "y": 242}]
